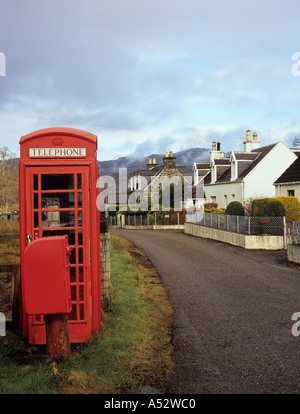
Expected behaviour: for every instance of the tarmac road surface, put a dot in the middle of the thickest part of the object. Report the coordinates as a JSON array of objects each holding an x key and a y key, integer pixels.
[{"x": 233, "y": 312}]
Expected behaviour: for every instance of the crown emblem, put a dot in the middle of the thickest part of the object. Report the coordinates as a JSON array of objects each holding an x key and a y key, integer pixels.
[{"x": 57, "y": 142}]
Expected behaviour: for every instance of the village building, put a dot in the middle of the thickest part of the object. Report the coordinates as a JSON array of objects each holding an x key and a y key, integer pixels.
[
  {"x": 288, "y": 184},
  {"x": 157, "y": 181},
  {"x": 243, "y": 176}
]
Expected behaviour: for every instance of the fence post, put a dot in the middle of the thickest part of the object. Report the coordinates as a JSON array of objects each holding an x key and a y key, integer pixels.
[
  {"x": 237, "y": 224},
  {"x": 293, "y": 232},
  {"x": 227, "y": 222},
  {"x": 249, "y": 225},
  {"x": 17, "y": 299},
  {"x": 284, "y": 232},
  {"x": 219, "y": 221}
]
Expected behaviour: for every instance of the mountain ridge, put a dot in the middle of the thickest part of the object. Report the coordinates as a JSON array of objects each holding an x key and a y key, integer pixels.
[{"x": 133, "y": 163}]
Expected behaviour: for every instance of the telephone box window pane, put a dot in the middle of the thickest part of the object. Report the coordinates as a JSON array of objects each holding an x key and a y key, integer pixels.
[
  {"x": 81, "y": 311},
  {"x": 69, "y": 233},
  {"x": 81, "y": 293},
  {"x": 74, "y": 293},
  {"x": 36, "y": 201},
  {"x": 73, "y": 274},
  {"x": 73, "y": 256},
  {"x": 79, "y": 181},
  {"x": 79, "y": 200},
  {"x": 80, "y": 256},
  {"x": 35, "y": 182},
  {"x": 57, "y": 200},
  {"x": 57, "y": 181},
  {"x": 53, "y": 219},
  {"x": 73, "y": 313},
  {"x": 80, "y": 224},
  {"x": 81, "y": 275},
  {"x": 80, "y": 238},
  {"x": 36, "y": 220}
]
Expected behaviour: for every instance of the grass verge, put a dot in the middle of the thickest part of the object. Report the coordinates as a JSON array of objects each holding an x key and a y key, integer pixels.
[{"x": 133, "y": 348}]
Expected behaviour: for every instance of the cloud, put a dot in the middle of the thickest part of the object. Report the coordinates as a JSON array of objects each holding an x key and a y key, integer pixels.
[{"x": 138, "y": 72}]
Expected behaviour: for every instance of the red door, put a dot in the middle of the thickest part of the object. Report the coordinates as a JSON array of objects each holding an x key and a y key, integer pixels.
[{"x": 58, "y": 204}]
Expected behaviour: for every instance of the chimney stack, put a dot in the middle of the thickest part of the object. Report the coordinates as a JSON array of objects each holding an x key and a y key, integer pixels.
[
  {"x": 251, "y": 145},
  {"x": 216, "y": 152},
  {"x": 169, "y": 160},
  {"x": 248, "y": 136}
]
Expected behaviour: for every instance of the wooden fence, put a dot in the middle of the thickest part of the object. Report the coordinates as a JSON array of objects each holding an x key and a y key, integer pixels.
[{"x": 16, "y": 293}]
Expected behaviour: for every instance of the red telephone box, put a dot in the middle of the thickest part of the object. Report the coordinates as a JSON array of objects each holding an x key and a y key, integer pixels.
[{"x": 58, "y": 173}]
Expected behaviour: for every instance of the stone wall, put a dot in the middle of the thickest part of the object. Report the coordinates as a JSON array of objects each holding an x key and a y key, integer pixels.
[
  {"x": 246, "y": 241},
  {"x": 106, "y": 287}
]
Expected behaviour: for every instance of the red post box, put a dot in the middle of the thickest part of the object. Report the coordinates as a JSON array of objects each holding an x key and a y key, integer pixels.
[
  {"x": 58, "y": 173},
  {"x": 46, "y": 274}
]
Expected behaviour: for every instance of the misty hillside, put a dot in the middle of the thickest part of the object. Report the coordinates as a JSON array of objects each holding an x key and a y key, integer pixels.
[{"x": 183, "y": 158}]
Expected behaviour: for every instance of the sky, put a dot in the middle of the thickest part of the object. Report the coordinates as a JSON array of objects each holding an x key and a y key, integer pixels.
[{"x": 151, "y": 76}]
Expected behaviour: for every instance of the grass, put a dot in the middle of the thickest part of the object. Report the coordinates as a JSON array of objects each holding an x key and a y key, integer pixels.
[{"x": 133, "y": 348}]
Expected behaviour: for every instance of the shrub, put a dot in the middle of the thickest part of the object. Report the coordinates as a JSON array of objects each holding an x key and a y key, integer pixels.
[
  {"x": 210, "y": 205},
  {"x": 235, "y": 208},
  {"x": 258, "y": 206},
  {"x": 274, "y": 208},
  {"x": 292, "y": 208},
  {"x": 214, "y": 210}
]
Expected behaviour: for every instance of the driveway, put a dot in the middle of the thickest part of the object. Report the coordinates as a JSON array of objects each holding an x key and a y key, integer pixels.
[{"x": 232, "y": 314}]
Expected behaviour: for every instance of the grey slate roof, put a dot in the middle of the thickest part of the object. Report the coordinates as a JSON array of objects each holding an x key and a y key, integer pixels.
[{"x": 291, "y": 174}]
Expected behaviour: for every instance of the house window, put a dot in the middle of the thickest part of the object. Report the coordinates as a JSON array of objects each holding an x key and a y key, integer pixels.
[
  {"x": 225, "y": 197},
  {"x": 233, "y": 196},
  {"x": 291, "y": 193},
  {"x": 213, "y": 199}
]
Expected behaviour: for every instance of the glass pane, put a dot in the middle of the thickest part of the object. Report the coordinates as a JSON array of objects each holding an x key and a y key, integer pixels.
[
  {"x": 36, "y": 201},
  {"x": 73, "y": 274},
  {"x": 79, "y": 200},
  {"x": 35, "y": 182},
  {"x": 57, "y": 181},
  {"x": 36, "y": 220},
  {"x": 74, "y": 293},
  {"x": 73, "y": 313},
  {"x": 81, "y": 275},
  {"x": 69, "y": 233},
  {"x": 81, "y": 292},
  {"x": 53, "y": 219},
  {"x": 80, "y": 219},
  {"x": 80, "y": 238},
  {"x": 57, "y": 200},
  {"x": 79, "y": 181},
  {"x": 80, "y": 256},
  {"x": 73, "y": 256},
  {"x": 81, "y": 311}
]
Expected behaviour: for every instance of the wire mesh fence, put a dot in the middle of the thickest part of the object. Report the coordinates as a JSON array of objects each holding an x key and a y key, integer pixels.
[{"x": 239, "y": 224}]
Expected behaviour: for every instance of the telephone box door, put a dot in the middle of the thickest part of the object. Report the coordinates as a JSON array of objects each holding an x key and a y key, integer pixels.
[{"x": 58, "y": 204}]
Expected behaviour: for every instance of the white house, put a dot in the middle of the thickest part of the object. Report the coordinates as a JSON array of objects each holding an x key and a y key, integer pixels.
[
  {"x": 288, "y": 184},
  {"x": 243, "y": 175}
]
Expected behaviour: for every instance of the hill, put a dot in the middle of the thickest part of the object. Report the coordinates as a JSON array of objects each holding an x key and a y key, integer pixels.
[{"x": 183, "y": 158}]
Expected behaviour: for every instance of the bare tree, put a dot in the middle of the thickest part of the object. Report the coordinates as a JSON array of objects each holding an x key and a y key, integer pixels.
[
  {"x": 7, "y": 164},
  {"x": 296, "y": 142}
]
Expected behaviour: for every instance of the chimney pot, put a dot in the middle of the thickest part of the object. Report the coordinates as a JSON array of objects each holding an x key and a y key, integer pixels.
[
  {"x": 254, "y": 136},
  {"x": 166, "y": 154},
  {"x": 218, "y": 146},
  {"x": 213, "y": 146},
  {"x": 171, "y": 154},
  {"x": 154, "y": 161},
  {"x": 248, "y": 135}
]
